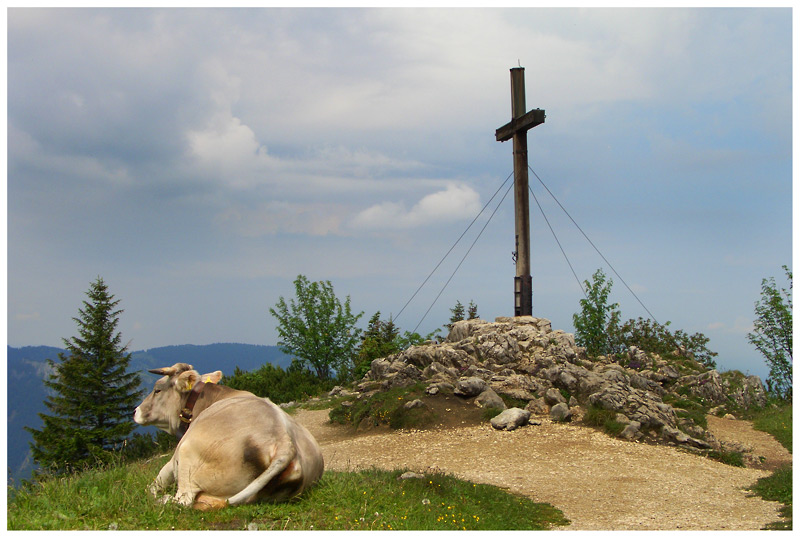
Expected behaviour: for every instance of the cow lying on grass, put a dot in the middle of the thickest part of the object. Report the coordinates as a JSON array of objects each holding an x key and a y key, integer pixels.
[{"x": 237, "y": 448}]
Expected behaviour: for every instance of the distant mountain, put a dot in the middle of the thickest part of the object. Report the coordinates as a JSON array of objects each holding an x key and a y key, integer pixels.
[{"x": 27, "y": 368}]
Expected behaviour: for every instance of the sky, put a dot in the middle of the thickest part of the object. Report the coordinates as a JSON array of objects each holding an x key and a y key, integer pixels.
[{"x": 199, "y": 160}]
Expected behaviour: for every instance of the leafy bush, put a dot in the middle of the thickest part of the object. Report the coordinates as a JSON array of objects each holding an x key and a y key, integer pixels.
[
  {"x": 654, "y": 337},
  {"x": 772, "y": 334},
  {"x": 597, "y": 322},
  {"x": 293, "y": 384},
  {"x": 318, "y": 328},
  {"x": 378, "y": 341}
]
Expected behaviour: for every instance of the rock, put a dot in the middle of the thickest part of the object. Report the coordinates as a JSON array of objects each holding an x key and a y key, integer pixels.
[
  {"x": 553, "y": 397},
  {"x": 378, "y": 368},
  {"x": 677, "y": 436},
  {"x": 631, "y": 431},
  {"x": 410, "y": 475},
  {"x": 469, "y": 386},
  {"x": 461, "y": 330},
  {"x": 436, "y": 388},
  {"x": 537, "y": 407},
  {"x": 413, "y": 404},
  {"x": 642, "y": 406},
  {"x": 510, "y": 419},
  {"x": 525, "y": 359},
  {"x": 560, "y": 413},
  {"x": 489, "y": 398},
  {"x": 669, "y": 372},
  {"x": 521, "y": 387},
  {"x": 400, "y": 375},
  {"x": 435, "y": 368},
  {"x": 752, "y": 393}
]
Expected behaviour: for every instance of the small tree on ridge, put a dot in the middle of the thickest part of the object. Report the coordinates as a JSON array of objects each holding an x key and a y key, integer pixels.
[{"x": 318, "y": 329}]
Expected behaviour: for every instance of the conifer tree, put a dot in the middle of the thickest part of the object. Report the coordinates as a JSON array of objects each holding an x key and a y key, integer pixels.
[{"x": 91, "y": 393}]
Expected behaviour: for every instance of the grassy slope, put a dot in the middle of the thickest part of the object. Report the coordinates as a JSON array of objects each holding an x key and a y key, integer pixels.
[
  {"x": 777, "y": 487},
  {"x": 117, "y": 499}
]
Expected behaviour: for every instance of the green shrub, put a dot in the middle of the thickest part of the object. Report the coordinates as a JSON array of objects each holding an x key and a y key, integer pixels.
[{"x": 293, "y": 384}]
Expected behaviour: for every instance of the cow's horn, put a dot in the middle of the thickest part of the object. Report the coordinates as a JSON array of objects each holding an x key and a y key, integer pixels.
[{"x": 172, "y": 370}]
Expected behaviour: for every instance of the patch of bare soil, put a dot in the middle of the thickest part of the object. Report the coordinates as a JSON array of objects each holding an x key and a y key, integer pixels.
[
  {"x": 764, "y": 451},
  {"x": 599, "y": 482}
]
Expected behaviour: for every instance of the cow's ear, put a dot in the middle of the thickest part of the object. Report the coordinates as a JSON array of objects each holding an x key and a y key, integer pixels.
[
  {"x": 186, "y": 381},
  {"x": 213, "y": 377}
]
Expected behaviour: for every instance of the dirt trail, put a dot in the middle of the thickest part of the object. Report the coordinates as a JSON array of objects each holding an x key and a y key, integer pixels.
[{"x": 600, "y": 483}]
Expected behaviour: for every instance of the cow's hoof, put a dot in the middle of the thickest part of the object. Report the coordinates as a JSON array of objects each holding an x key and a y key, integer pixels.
[{"x": 206, "y": 502}]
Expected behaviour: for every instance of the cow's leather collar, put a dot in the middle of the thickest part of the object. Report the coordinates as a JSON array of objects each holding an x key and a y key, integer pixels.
[{"x": 186, "y": 413}]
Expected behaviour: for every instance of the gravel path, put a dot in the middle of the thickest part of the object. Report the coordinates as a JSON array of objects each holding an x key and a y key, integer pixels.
[{"x": 600, "y": 483}]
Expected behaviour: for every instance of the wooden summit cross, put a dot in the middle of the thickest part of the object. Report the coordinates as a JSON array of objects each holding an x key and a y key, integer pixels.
[{"x": 517, "y": 129}]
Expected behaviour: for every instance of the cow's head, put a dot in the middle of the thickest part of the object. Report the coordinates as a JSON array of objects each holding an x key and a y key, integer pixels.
[{"x": 162, "y": 406}]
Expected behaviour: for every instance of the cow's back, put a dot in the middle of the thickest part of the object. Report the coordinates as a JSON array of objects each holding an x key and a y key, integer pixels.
[{"x": 235, "y": 439}]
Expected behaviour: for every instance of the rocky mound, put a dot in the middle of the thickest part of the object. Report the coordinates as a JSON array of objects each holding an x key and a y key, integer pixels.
[{"x": 522, "y": 364}]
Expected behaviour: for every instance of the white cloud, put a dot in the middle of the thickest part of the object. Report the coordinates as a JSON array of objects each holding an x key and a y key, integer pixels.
[
  {"x": 283, "y": 217},
  {"x": 453, "y": 203},
  {"x": 740, "y": 325}
]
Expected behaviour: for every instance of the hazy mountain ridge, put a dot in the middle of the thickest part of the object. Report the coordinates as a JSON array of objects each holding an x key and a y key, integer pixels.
[{"x": 27, "y": 368}]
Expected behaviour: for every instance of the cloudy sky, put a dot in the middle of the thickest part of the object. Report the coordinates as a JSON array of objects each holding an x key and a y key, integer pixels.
[{"x": 199, "y": 160}]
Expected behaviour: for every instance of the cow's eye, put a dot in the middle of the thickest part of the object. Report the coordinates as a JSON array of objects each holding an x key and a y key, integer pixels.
[{"x": 156, "y": 391}]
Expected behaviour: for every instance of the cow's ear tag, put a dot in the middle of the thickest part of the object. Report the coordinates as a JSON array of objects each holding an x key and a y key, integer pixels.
[{"x": 213, "y": 377}]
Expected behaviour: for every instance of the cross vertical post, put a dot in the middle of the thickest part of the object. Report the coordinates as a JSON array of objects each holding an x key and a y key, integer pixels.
[{"x": 517, "y": 130}]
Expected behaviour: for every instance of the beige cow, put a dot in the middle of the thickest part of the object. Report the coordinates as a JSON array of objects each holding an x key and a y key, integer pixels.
[{"x": 238, "y": 448}]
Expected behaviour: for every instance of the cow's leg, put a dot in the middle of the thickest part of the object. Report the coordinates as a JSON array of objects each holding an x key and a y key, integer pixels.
[
  {"x": 165, "y": 478},
  {"x": 187, "y": 489}
]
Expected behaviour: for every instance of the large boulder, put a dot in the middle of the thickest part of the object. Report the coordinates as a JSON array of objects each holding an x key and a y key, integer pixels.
[
  {"x": 511, "y": 419},
  {"x": 470, "y": 386},
  {"x": 489, "y": 398}
]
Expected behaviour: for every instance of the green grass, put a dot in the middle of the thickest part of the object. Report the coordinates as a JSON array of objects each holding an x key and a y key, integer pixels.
[
  {"x": 605, "y": 419},
  {"x": 777, "y": 487},
  {"x": 117, "y": 499},
  {"x": 733, "y": 458},
  {"x": 385, "y": 408},
  {"x": 777, "y": 421}
]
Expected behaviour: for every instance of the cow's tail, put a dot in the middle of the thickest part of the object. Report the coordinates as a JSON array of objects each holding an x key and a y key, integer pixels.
[{"x": 283, "y": 463}]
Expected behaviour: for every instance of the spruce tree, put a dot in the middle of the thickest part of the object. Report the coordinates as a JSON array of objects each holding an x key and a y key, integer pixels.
[{"x": 91, "y": 393}]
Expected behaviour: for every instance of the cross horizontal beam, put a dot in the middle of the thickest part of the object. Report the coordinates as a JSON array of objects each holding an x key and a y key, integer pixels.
[{"x": 523, "y": 123}]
